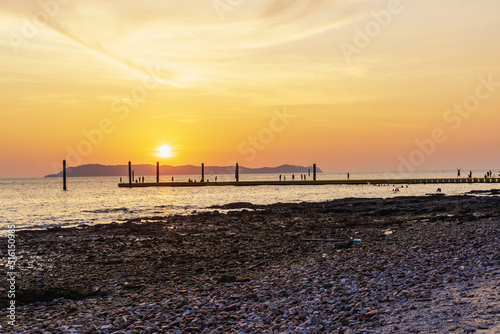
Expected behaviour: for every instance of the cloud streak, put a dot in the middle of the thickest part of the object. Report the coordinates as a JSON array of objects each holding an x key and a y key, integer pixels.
[{"x": 129, "y": 63}]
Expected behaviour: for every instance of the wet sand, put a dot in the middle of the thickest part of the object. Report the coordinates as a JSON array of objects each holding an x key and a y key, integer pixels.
[{"x": 401, "y": 265}]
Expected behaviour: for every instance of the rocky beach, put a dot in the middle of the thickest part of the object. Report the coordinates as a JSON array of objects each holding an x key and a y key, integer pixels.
[{"x": 399, "y": 265}]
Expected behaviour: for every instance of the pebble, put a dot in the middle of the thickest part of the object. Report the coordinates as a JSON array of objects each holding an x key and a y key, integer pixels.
[{"x": 260, "y": 274}]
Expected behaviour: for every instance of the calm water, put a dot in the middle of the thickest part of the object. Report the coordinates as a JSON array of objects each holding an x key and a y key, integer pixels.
[{"x": 40, "y": 203}]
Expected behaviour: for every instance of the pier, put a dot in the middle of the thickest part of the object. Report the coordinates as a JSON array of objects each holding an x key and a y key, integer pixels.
[
  {"x": 313, "y": 182},
  {"x": 309, "y": 182}
]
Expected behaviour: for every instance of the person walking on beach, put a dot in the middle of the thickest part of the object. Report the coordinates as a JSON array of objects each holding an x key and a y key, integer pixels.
[
  {"x": 293, "y": 176},
  {"x": 280, "y": 177},
  {"x": 348, "y": 176},
  {"x": 470, "y": 174},
  {"x": 458, "y": 172}
]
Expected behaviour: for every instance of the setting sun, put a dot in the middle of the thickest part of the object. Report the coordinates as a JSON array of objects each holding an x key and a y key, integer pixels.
[{"x": 164, "y": 151}]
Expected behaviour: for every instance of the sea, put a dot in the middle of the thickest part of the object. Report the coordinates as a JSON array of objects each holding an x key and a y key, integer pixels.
[{"x": 39, "y": 203}]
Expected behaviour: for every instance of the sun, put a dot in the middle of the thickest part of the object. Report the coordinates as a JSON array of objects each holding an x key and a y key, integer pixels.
[{"x": 164, "y": 151}]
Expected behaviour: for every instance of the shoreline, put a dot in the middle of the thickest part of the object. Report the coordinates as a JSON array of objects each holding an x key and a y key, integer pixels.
[
  {"x": 295, "y": 263},
  {"x": 191, "y": 211},
  {"x": 120, "y": 204}
]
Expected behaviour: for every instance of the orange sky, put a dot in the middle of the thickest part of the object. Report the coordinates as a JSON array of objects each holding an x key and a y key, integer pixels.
[{"x": 349, "y": 85}]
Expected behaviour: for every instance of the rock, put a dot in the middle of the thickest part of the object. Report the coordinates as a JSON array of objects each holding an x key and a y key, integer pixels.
[
  {"x": 227, "y": 279},
  {"x": 24, "y": 296},
  {"x": 235, "y": 205},
  {"x": 343, "y": 244},
  {"x": 370, "y": 314}
]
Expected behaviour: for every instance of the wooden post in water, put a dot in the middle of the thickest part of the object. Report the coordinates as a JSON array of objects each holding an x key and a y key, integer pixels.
[
  {"x": 133, "y": 176},
  {"x": 314, "y": 172},
  {"x": 202, "y": 172},
  {"x": 157, "y": 172},
  {"x": 129, "y": 173},
  {"x": 309, "y": 172},
  {"x": 237, "y": 173},
  {"x": 64, "y": 175}
]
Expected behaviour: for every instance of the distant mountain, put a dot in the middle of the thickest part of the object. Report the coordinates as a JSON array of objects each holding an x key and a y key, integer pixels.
[{"x": 144, "y": 170}]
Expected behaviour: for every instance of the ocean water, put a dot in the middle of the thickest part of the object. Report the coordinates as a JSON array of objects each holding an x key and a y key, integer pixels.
[{"x": 41, "y": 203}]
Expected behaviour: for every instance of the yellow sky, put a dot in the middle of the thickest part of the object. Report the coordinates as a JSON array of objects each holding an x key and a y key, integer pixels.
[{"x": 350, "y": 85}]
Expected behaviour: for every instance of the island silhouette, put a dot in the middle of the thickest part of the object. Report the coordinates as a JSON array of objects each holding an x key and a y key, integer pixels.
[{"x": 145, "y": 169}]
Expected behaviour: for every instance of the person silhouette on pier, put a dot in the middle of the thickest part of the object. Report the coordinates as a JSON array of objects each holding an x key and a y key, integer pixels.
[
  {"x": 280, "y": 177},
  {"x": 348, "y": 176},
  {"x": 293, "y": 176},
  {"x": 470, "y": 174},
  {"x": 458, "y": 172},
  {"x": 120, "y": 180}
]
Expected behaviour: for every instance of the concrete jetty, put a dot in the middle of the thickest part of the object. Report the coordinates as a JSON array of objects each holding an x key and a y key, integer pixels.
[
  {"x": 313, "y": 182},
  {"x": 309, "y": 182}
]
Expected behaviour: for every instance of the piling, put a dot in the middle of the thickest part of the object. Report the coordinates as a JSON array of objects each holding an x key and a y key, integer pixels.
[
  {"x": 157, "y": 172},
  {"x": 129, "y": 173},
  {"x": 237, "y": 173},
  {"x": 314, "y": 172},
  {"x": 202, "y": 172},
  {"x": 133, "y": 176},
  {"x": 64, "y": 175}
]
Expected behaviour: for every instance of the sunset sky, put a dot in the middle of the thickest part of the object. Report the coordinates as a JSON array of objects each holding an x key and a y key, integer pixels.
[{"x": 351, "y": 85}]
